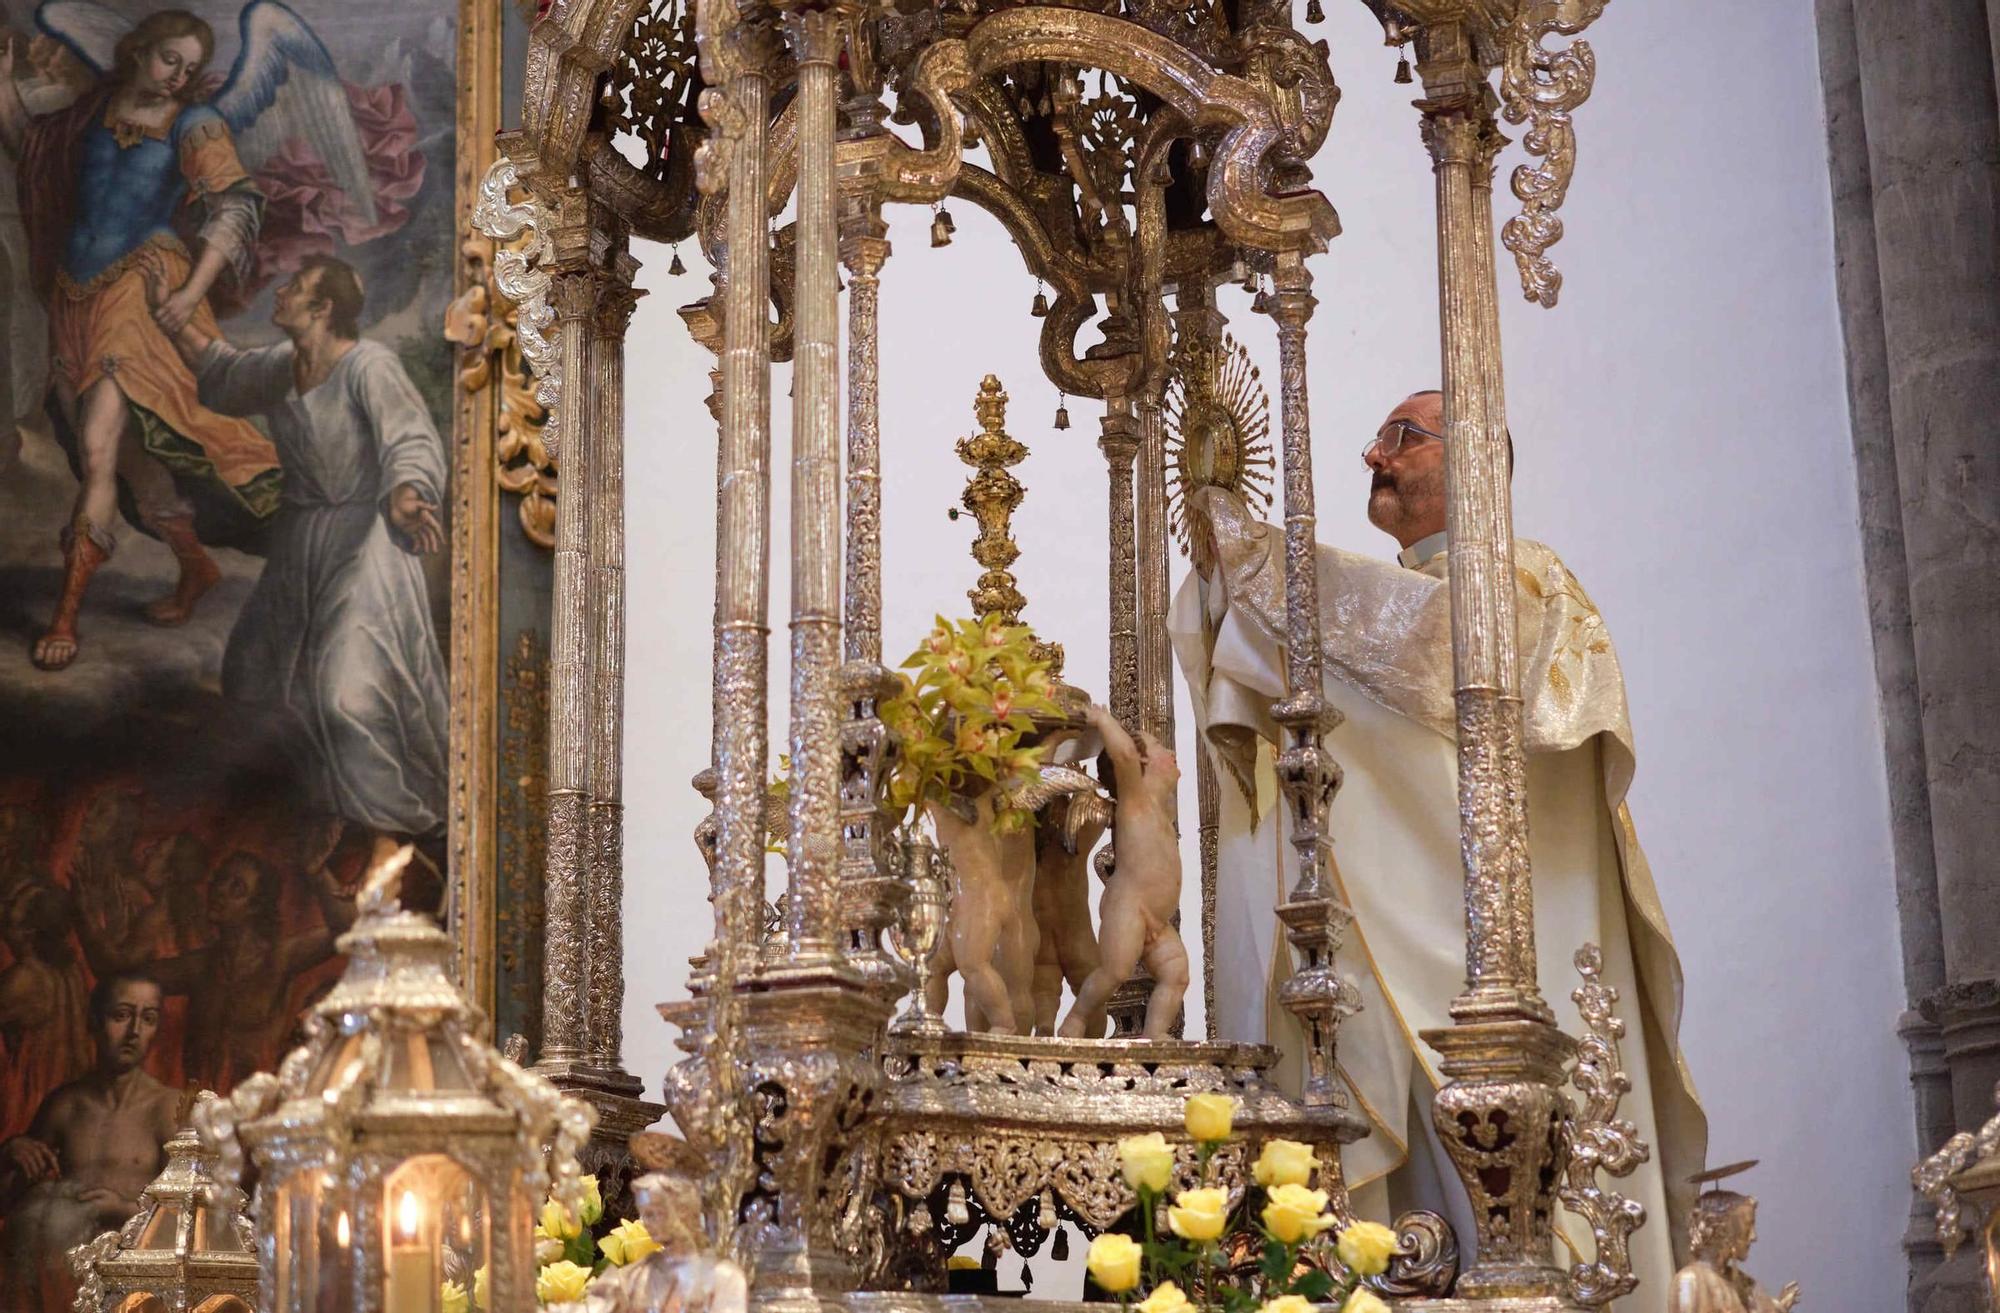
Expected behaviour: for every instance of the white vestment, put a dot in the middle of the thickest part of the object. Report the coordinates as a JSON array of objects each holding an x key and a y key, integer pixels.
[
  {"x": 1386, "y": 648},
  {"x": 337, "y": 635}
]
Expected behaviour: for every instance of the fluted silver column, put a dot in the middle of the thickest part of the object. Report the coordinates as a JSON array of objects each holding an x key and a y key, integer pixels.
[{"x": 813, "y": 808}]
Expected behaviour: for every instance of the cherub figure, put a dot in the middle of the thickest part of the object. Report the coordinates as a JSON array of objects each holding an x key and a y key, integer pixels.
[
  {"x": 1720, "y": 1233},
  {"x": 1064, "y": 837},
  {"x": 992, "y": 911},
  {"x": 1135, "y": 916}
]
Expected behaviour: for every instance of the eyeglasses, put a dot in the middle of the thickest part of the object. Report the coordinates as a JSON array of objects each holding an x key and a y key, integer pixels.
[{"x": 1396, "y": 435}]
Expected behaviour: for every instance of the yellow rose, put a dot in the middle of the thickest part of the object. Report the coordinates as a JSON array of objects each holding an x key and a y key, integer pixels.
[
  {"x": 1366, "y": 1247},
  {"x": 451, "y": 1297},
  {"x": 1199, "y": 1214},
  {"x": 1287, "y": 1304},
  {"x": 561, "y": 1282},
  {"x": 479, "y": 1288},
  {"x": 1364, "y": 1301},
  {"x": 1295, "y": 1213},
  {"x": 1147, "y": 1162},
  {"x": 628, "y": 1242},
  {"x": 557, "y": 1223},
  {"x": 1113, "y": 1262},
  {"x": 1166, "y": 1298},
  {"x": 593, "y": 1201},
  {"x": 1209, "y": 1116},
  {"x": 1284, "y": 1162}
]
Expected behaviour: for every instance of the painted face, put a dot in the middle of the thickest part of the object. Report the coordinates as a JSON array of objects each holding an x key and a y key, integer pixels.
[
  {"x": 1406, "y": 487},
  {"x": 292, "y": 303},
  {"x": 110, "y": 821},
  {"x": 168, "y": 67},
  {"x": 232, "y": 895},
  {"x": 125, "y": 1031}
]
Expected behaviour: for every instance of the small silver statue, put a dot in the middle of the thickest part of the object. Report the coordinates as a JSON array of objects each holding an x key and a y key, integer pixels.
[{"x": 1723, "y": 1228}]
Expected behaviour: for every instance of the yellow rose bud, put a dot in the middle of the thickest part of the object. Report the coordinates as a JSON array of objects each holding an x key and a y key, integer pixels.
[
  {"x": 479, "y": 1288},
  {"x": 1366, "y": 1248},
  {"x": 1166, "y": 1298},
  {"x": 593, "y": 1200},
  {"x": 557, "y": 1223},
  {"x": 1209, "y": 1117},
  {"x": 1364, "y": 1301},
  {"x": 561, "y": 1282},
  {"x": 1113, "y": 1262},
  {"x": 1287, "y": 1304},
  {"x": 1295, "y": 1213},
  {"x": 628, "y": 1242},
  {"x": 451, "y": 1297},
  {"x": 1199, "y": 1215},
  {"x": 1284, "y": 1162},
  {"x": 1147, "y": 1162}
]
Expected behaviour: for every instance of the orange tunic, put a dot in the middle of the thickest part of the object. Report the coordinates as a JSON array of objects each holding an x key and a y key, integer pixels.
[{"x": 105, "y": 329}]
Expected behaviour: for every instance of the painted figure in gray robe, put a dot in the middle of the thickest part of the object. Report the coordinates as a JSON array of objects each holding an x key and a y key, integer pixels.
[{"x": 337, "y": 636}]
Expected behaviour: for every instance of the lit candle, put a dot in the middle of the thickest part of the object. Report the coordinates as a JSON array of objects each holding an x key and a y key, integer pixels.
[{"x": 413, "y": 1279}]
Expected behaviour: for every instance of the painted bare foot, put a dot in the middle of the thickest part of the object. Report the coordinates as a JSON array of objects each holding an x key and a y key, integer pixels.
[
  {"x": 198, "y": 575},
  {"x": 55, "y": 649}
]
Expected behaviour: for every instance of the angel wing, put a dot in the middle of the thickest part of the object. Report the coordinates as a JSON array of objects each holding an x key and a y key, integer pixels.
[
  {"x": 284, "y": 86},
  {"x": 90, "y": 30},
  {"x": 1086, "y": 804}
]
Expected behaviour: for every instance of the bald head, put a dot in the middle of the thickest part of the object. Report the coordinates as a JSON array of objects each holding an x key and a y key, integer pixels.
[{"x": 1406, "y": 490}]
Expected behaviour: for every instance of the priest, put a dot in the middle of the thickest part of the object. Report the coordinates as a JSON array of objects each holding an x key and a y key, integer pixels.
[{"x": 1385, "y": 635}]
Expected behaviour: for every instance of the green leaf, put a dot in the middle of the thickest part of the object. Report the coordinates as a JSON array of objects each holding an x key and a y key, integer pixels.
[
  {"x": 1277, "y": 1264},
  {"x": 1315, "y": 1286}
]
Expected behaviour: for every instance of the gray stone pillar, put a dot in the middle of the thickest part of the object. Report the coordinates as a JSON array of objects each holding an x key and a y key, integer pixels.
[
  {"x": 1933, "y": 130},
  {"x": 1914, "y": 141}
]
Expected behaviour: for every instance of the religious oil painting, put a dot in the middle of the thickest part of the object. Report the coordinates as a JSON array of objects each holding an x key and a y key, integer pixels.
[{"x": 233, "y": 458}]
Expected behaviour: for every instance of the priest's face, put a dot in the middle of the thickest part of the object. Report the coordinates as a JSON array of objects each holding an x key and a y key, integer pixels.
[{"x": 1406, "y": 491}]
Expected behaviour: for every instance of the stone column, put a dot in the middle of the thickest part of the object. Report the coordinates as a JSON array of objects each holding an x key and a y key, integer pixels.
[
  {"x": 1933, "y": 142},
  {"x": 813, "y": 845},
  {"x": 1859, "y": 280}
]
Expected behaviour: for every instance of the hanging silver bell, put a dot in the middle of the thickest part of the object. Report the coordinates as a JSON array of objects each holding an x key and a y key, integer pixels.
[
  {"x": 676, "y": 269},
  {"x": 1403, "y": 70},
  {"x": 1040, "y": 308},
  {"x": 942, "y": 228},
  {"x": 1062, "y": 415}
]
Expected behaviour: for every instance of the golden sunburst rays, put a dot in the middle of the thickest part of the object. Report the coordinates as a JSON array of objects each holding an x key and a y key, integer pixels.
[{"x": 1218, "y": 422}]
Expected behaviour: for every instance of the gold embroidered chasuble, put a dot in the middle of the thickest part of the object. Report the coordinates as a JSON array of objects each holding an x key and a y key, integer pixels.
[{"x": 1386, "y": 647}]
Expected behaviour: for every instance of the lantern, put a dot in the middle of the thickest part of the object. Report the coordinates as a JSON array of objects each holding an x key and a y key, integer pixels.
[
  {"x": 400, "y": 1158},
  {"x": 188, "y": 1247}
]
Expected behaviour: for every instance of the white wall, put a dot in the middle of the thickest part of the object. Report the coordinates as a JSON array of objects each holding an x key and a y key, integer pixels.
[{"x": 1682, "y": 438}]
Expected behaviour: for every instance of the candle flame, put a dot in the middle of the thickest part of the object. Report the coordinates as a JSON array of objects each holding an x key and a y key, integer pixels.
[
  {"x": 341, "y": 1235},
  {"x": 406, "y": 1215}
]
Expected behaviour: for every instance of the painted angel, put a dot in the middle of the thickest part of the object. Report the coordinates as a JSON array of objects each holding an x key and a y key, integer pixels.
[{"x": 146, "y": 171}]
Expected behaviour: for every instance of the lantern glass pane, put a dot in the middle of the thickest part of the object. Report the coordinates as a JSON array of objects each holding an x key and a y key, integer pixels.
[
  {"x": 424, "y": 1063},
  {"x": 211, "y": 1236},
  {"x": 160, "y": 1232},
  {"x": 338, "y": 1065},
  {"x": 435, "y": 1218}
]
